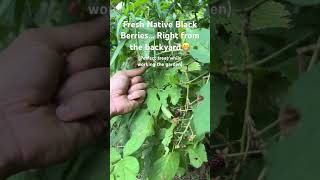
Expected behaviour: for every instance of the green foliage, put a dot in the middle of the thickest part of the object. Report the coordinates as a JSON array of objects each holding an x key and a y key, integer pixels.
[
  {"x": 197, "y": 155},
  {"x": 142, "y": 128},
  {"x": 219, "y": 102},
  {"x": 255, "y": 61},
  {"x": 201, "y": 119},
  {"x": 126, "y": 169},
  {"x": 172, "y": 121},
  {"x": 199, "y": 48},
  {"x": 166, "y": 167},
  {"x": 269, "y": 15},
  {"x": 298, "y": 152},
  {"x": 305, "y": 2}
]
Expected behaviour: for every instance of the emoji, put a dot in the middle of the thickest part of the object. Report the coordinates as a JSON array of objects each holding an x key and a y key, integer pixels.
[{"x": 185, "y": 46}]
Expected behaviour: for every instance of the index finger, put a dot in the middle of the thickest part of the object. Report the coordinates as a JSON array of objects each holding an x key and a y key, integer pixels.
[
  {"x": 135, "y": 72},
  {"x": 77, "y": 35}
]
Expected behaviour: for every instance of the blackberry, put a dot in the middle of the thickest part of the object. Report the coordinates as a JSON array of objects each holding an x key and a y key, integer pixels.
[
  {"x": 217, "y": 162},
  {"x": 199, "y": 98},
  {"x": 177, "y": 113}
]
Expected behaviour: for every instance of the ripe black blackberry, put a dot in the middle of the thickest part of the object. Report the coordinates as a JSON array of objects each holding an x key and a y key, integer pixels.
[{"x": 217, "y": 162}]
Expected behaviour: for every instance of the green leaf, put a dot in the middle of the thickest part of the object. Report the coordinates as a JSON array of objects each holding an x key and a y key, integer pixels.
[
  {"x": 120, "y": 28},
  {"x": 111, "y": 176},
  {"x": 126, "y": 169},
  {"x": 200, "y": 48},
  {"x": 201, "y": 116},
  {"x": 153, "y": 102},
  {"x": 142, "y": 30},
  {"x": 305, "y": 2},
  {"x": 166, "y": 112},
  {"x": 219, "y": 105},
  {"x": 296, "y": 157},
  {"x": 116, "y": 52},
  {"x": 163, "y": 95},
  {"x": 168, "y": 136},
  {"x": 194, "y": 66},
  {"x": 232, "y": 24},
  {"x": 141, "y": 129},
  {"x": 174, "y": 93},
  {"x": 166, "y": 167},
  {"x": 114, "y": 155},
  {"x": 270, "y": 15},
  {"x": 197, "y": 155}
]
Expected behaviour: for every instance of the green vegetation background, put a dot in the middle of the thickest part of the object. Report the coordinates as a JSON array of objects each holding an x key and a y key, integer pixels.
[{"x": 15, "y": 17}]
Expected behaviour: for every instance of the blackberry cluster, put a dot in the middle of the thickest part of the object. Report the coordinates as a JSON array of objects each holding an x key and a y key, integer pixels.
[{"x": 217, "y": 162}]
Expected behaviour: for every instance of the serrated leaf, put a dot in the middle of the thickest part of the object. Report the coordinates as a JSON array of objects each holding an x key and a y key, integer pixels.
[
  {"x": 197, "y": 155},
  {"x": 166, "y": 167},
  {"x": 166, "y": 112},
  {"x": 200, "y": 48},
  {"x": 305, "y": 2},
  {"x": 141, "y": 129},
  {"x": 270, "y": 15},
  {"x": 174, "y": 93},
  {"x": 219, "y": 107},
  {"x": 153, "y": 102},
  {"x": 194, "y": 66},
  {"x": 126, "y": 169},
  {"x": 163, "y": 95},
  {"x": 231, "y": 53},
  {"x": 232, "y": 24},
  {"x": 295, "y": 157},
  {"x": 201, "y": 116},
  {"x": 168, "y": 135}
]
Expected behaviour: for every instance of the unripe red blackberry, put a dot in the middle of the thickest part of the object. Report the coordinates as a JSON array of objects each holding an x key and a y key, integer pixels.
[
  {"x": 175, "y": 120},
  {"x": 177, "y": 113},
  {"x": 199, "y": 98}
]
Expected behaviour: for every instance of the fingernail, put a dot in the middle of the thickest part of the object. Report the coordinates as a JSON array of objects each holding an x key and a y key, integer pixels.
[{"x": 63, "y": 112}]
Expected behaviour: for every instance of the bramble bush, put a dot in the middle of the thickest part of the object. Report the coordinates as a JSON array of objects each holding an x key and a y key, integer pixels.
[
  {"x": 264, "y": 64},
  {"x": 164, "y": 138}
]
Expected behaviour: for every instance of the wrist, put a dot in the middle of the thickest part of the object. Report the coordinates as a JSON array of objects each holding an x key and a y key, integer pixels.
[{"x": 10, "y": 162}]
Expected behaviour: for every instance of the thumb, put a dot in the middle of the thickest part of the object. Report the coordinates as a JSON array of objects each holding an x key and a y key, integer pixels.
[{"x": 83, "y": 105}]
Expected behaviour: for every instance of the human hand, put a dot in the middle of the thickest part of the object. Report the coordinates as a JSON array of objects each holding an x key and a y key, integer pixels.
[
  {"x": 53, "y": 83},
  {"x": 127, "y": 91}
]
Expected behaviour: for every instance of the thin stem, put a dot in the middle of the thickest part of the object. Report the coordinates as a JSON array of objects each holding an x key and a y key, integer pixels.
[
  {"x": 267, "y": 128},
  {"x": 187, "y": 96},
  {"x": 183, "y": 133},
  {"x": 243, "y": 153},
  {"x": 246, "y": 134},
  {"x": 226, "y": 144},
  {"x": 262, "y": 174},
  {"x": 270, "y": 57},
  {"x": 195, "y": 79},
  {"x": 315, "y": 55},
  {"x": 245, "y": 42},
  {"x": 247, "y": 112}
]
